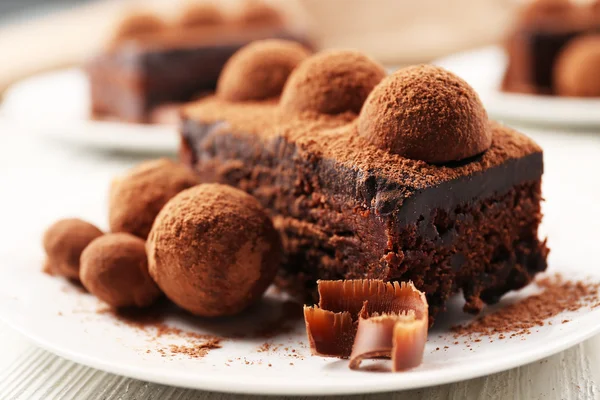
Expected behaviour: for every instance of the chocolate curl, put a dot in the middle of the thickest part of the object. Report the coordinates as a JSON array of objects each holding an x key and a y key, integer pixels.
[
  {"x": 369, "y": 318},
  {"x": 329, "y": 334},
  {"x": 409, "y": 343},
  {"x": 400, "y": 337},
  {"x": 381, "y": 297}
]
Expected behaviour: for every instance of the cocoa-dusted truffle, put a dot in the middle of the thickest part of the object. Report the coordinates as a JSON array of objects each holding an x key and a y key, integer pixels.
[
  {"x": 200, "y": 14},
  {"x": 577, "y": 69},
  {"x": 63, "y": 242},
  {"x": 138, "y": 23},
  {"x": 114, "y": 268},
  {"x": 331, "y": 82},
  {"x": 426, "y": 113},
  {"x": 259, "y": 70},
  {"x": 137, "y": 197},
  {"x": 257, "y": 12},
  {"x": 213, "y": 250},
  {"x": 539, "y": 9}
]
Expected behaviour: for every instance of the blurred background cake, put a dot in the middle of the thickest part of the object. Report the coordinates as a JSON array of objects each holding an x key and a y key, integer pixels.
[{"x": 554, "y": 49}]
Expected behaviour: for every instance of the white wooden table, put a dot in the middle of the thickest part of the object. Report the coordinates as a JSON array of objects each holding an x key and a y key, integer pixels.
[{"x": 28, "y": 372}]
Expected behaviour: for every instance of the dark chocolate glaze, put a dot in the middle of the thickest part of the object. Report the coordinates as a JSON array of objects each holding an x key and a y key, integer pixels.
[{"x": 406, "y": 203}]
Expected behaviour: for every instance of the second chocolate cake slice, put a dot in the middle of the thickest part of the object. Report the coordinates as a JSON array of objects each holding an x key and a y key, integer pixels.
[{"x": 416, "y": 184}]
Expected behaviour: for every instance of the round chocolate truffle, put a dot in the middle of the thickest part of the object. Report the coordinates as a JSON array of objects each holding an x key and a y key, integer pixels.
[
  {"x": 114, "y": 268},
  {"x": 138, "y": 23},
  {"x": 540, "y": 8},
  {"x": 259, "y": 70},
  {"x": 426, "y": 113},
  {"x": 63, "y": 242},
  {"x": 331, "y": 82},
  {"x": 257, "y": 12},
  {"x": 577, "y": 68},
  {"x": 201, "y": 14},
  {"x": 213, "y": 250},
  {"x": 138, "y": 196},
  {"x": 554, "y": 15}
]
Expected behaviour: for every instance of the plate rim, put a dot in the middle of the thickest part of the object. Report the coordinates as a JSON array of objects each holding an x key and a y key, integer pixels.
[
  {"x": 86, "y": 132},
  {"x": 222, "y": 382}
]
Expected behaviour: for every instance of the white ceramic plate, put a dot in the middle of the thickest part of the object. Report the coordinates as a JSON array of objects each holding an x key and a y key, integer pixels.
[
  {"x": 63, "y": 320},
  {"x": 484, "y": 69},
  {"x": 56, "y": 105}
]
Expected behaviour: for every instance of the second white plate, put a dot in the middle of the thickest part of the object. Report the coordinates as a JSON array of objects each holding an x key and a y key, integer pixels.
[
  {"x": 56, "y": 105},
  {"x": 484, "y": 68}
]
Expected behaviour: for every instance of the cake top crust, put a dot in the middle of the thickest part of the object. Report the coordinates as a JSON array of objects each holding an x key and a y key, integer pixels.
[
  {"x": 421, "y": 126},
  {"x": 336, "y": 137}
]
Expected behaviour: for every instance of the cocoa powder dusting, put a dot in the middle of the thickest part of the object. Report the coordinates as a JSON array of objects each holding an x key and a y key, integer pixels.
[
  {"x": 195, "y": 345},
  {"x": 557, "y": 295},
  {"x": 198, "y": 350}
]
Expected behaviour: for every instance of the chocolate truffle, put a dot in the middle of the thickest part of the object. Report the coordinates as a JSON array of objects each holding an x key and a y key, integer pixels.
[
  {"x": 256, "y": 12},
  {"x": 114, "y": 268},
  {"x": 199, "y": 14},
  {"x": 137, "y": 197},
  {"x": 63, "y": 242},
  {"x": 259, "y": 70},
  {"x": 554, "y": 14},
  {"x": 331, "y": 82},
  {"x": 213, "y": 250},
  {"x": 426, "y": 113},
  {"x": 577, "y": 69},
  {"x": 136, "y": 24}
]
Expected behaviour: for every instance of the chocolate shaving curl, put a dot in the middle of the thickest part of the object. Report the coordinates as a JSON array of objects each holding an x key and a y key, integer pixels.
[
  {"x": 401, "y": 337},
  {"x": 369, "y": 318},
  {"x": 329, "y": 334}
]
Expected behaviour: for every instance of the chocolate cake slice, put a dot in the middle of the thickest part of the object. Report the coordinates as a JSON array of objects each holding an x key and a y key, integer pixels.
[
  {"x": 416, "y": 184},
  {"x": 542, "y": 32},
  {"x": 150, "y": 65}
]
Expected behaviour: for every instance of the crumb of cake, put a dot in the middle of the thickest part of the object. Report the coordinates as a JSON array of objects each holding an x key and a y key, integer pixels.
[
  {"x": 259, "y": 70},
  {"x": 257, "y": 12},
  {"x": 213, "y": 250},
  {"x": 557, "y": 295},
  {"x": 577, "y": 66},
  {"x": 200, "y": 14},
  {"x": 63, "y": 242},
  {"x": 331, "y": 82},
  {"x": 137, "y": 197},
  {"x": 138, "y": 23},
  {"x": 426, "y": 113},
  {"x": 114, "y": 268}
]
